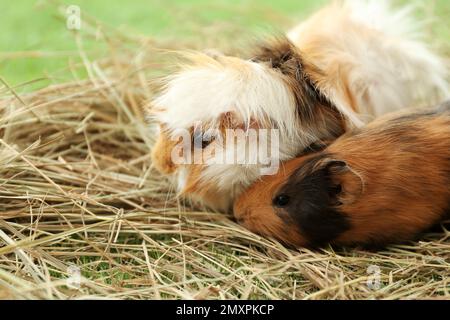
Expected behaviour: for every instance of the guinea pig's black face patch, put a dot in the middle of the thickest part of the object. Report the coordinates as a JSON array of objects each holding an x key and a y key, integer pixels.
[{"x": 310, "y": 198}]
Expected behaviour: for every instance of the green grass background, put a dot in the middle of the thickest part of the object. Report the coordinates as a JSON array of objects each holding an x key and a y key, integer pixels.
[{"x": 34, "y": 41}]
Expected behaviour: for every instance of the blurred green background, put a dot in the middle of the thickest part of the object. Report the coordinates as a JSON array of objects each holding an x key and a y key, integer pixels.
[{"x": 35, "y": 43}]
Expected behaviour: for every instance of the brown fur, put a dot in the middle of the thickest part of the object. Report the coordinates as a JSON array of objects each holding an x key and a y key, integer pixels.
[{"x": 393, "y": 177}]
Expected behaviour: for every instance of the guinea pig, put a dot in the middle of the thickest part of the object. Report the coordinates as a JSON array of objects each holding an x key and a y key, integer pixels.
[
  {"x": 350, "y": 62},
  {"x": 385, "y": 183}
]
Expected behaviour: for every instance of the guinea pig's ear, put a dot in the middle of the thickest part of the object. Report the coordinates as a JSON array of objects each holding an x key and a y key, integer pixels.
[{"x": 345, "y": 185}]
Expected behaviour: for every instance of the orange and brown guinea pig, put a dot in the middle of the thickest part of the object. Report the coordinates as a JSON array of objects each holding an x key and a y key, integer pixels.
[{"x": 382, "y": 184}]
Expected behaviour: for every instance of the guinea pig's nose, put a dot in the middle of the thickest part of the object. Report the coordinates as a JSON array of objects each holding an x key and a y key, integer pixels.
[{"x": 240, "y": 220}]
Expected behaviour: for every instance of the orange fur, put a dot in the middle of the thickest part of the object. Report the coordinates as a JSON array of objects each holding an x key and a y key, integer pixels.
[{"x": 162, "y": 152}]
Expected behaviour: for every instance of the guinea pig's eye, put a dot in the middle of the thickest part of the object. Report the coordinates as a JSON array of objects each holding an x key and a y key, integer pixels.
[
  {"x": 281, "y": 200},
  {"x": 200, "y": 139}
]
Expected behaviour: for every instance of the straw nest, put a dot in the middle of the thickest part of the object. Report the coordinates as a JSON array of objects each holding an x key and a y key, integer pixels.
[{"x": 84, "y": 215}]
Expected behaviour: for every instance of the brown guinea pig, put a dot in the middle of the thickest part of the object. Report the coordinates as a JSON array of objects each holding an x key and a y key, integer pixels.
[{"x": 384, "y": 183}]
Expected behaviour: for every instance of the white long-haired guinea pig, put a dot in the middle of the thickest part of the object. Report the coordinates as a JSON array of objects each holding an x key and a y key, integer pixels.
[
  {"x": 350, "y": 62},
  {"x": 384, "y": 183}
]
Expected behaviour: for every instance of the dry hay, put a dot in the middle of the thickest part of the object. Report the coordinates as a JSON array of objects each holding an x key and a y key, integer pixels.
[{"x": 77, "y": 189}]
